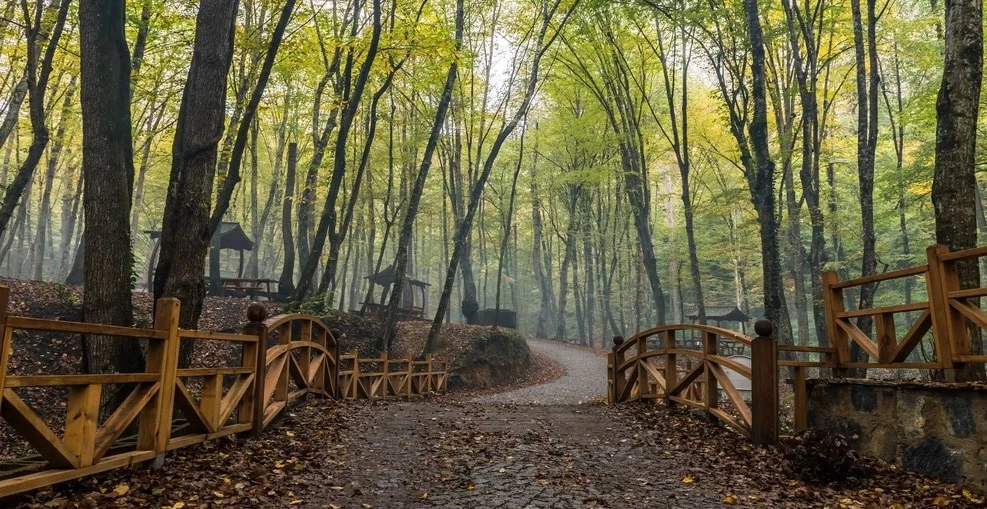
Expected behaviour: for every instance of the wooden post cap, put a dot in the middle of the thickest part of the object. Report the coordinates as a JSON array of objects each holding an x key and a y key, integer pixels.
[
  {"x": 764, "y": 327},
  {"x": 618, "y": 340},
  {"x": 256, "y": 312}
]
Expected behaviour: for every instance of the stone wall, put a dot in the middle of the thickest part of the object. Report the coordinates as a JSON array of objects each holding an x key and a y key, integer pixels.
[{"x": 935, "y": 429}]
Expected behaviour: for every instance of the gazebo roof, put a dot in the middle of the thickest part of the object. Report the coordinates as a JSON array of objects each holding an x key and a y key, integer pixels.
[
  {"x": 386, "y": 277},
  {"x": 734, "y": 315},
  {"x": 231, "y": 236}
]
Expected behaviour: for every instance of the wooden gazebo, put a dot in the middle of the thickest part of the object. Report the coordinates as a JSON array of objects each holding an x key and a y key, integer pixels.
[
  {"x": 734, "y": 315},
  {"x": 414, "y": 297},
  {"x": 229, "y": 235}
]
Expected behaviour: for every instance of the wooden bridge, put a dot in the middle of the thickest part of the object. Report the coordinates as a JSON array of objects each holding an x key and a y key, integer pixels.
[
  {"x": 281, "y": 359},
  {"x": 668, "y": 363}
]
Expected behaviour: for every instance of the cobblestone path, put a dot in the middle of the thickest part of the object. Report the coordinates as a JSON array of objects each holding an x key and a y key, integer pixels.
[{"x": 554, "y": 445}]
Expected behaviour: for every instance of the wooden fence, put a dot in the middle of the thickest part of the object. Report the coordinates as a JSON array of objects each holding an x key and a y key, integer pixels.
[
  {"x": 372, "y": 378},
  {"x": 281, "y": 359},
  {"x": 671, "y": 364},
  {"x": 930, "y": 334}
]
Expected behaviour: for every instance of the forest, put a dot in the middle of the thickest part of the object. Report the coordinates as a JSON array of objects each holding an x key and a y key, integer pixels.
[{"x": 599, "y": 167}]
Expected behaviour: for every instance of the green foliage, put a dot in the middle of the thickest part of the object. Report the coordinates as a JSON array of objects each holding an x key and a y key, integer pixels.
[
  {"x": 318, "y": 305},
  {"x": 570, "y": 150}
]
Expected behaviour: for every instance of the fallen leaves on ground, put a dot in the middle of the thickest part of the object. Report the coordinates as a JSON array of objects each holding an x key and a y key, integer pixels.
[
  {"x": 274, "y": 470},
  {"x": 746, "y": 474}
]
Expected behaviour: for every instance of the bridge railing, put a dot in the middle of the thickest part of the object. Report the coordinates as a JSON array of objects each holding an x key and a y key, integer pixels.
[
  {"x": 164, "y": 407},
  {"x": 918, "y": 336},
  {"x": 923, "y": 334},
  {"x": 685, "y": 364},
  {"x": 301, "y": 357}
]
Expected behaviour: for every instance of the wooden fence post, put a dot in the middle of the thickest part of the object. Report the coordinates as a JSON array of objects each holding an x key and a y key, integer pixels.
[
  {"x": 154, "y": 428},
  {"x": 618, "y": 379},
  {"x": 711, "y": 390},
  {"x": 356, "y": 374},
  {"x": 764, "y": 385},
  {"x": 838, "y": 338},
  {"x": 431, "y": 387},
  {"x": 255, "y": 357},
  {"x": 332, "y": 374},
  {"x": 610, "y": 378},
  {"x": 643, "y": 387},
  {"x": 5, "y": 346},
  {"x": 671, "y": 367},
  {"x": 941, "y": 315},
  {"x": 385, "y": 364}
]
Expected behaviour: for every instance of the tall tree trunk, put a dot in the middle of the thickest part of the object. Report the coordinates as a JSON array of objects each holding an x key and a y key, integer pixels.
[
  {"x": 542, "y": 43},
  {"x": 505, "y": 240},
  {"x": 613, "y": 92},
  {"x": 589, "y": 275},
  {"x": 802, "y": 27},
  {"x": 672, "y": 258},
  {"x": 14, "y": 103},
  {"x": 151, "y": 127},
  {"x": 286, "y": 284},
  {"x": 232, "y": 177},
  {"x": 896, "y": 117},
  {"x": 70, "y": 214},
  {"x": 546, "y": 306},
  {"x": 265, "y": 214},
  {"x": 415, "y": 196},
  {"x": 328, "y": 220},
  {"x": 867, "y": 94},
  {"x": 108, "y": 173},
  {"x": 45, "y": 209},
  {"x": 186, "y": 230},
  {"x": 327, "y": 284},
  {"x": 957, "y": 109},
  {"x": 761, "y": 182},
  {"x": 568, "y": 242},
  {"x": 250, "y": 269}
]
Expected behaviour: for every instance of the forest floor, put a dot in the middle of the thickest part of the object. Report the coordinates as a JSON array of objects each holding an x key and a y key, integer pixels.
[{"x": 467, "y": 449}]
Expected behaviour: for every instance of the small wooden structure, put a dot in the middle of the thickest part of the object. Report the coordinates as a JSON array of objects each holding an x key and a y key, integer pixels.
[
  {"x": 734, "y": 315},
  {"x": 646, "y": 367},
  {"x": 229, "y": 235},
  {"x": 414, "y": 297}
]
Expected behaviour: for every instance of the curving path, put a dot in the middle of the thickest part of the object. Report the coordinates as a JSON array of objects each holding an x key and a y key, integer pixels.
[
  {"x": 585, "y": 379},
  {"x": 548, "y": 446}
]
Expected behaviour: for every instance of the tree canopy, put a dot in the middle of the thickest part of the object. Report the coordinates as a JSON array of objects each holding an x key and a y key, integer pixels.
[{"x": 598, "y": 167}]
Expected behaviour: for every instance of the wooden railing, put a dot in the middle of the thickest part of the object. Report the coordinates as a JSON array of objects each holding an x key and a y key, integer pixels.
[
  {"x": 940, "y": 321},
  {"x": 656, "y": 364},
  {"x": 304, "y": 360},
  {"x": 281, "y": 359},
  {"x": 380, "y": 377},
  {"x": 930, "y": 334}
]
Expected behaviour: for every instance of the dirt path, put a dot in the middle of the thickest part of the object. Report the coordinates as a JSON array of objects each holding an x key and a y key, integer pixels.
[
  {"x": 519, "y": 454},
  {"x": 585, "y": 380}
]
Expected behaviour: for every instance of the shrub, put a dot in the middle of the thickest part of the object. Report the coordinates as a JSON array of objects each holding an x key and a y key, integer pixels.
[{"x": 819, "y": 456}]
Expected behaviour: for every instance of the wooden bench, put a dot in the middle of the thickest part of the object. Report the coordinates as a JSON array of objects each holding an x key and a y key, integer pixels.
[{"x": 248, "y": 287}]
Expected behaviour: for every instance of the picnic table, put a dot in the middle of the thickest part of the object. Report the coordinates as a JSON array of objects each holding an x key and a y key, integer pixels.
[{"x": 248, "y": 287}]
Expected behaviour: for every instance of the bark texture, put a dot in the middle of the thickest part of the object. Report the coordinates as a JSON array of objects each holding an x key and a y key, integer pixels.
[
  {"x": 957, "y": 107},
  {"x": 761, "y": 182},
  {"x": 186, "y": 232},
  {"x": 108, "y": 174}
]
